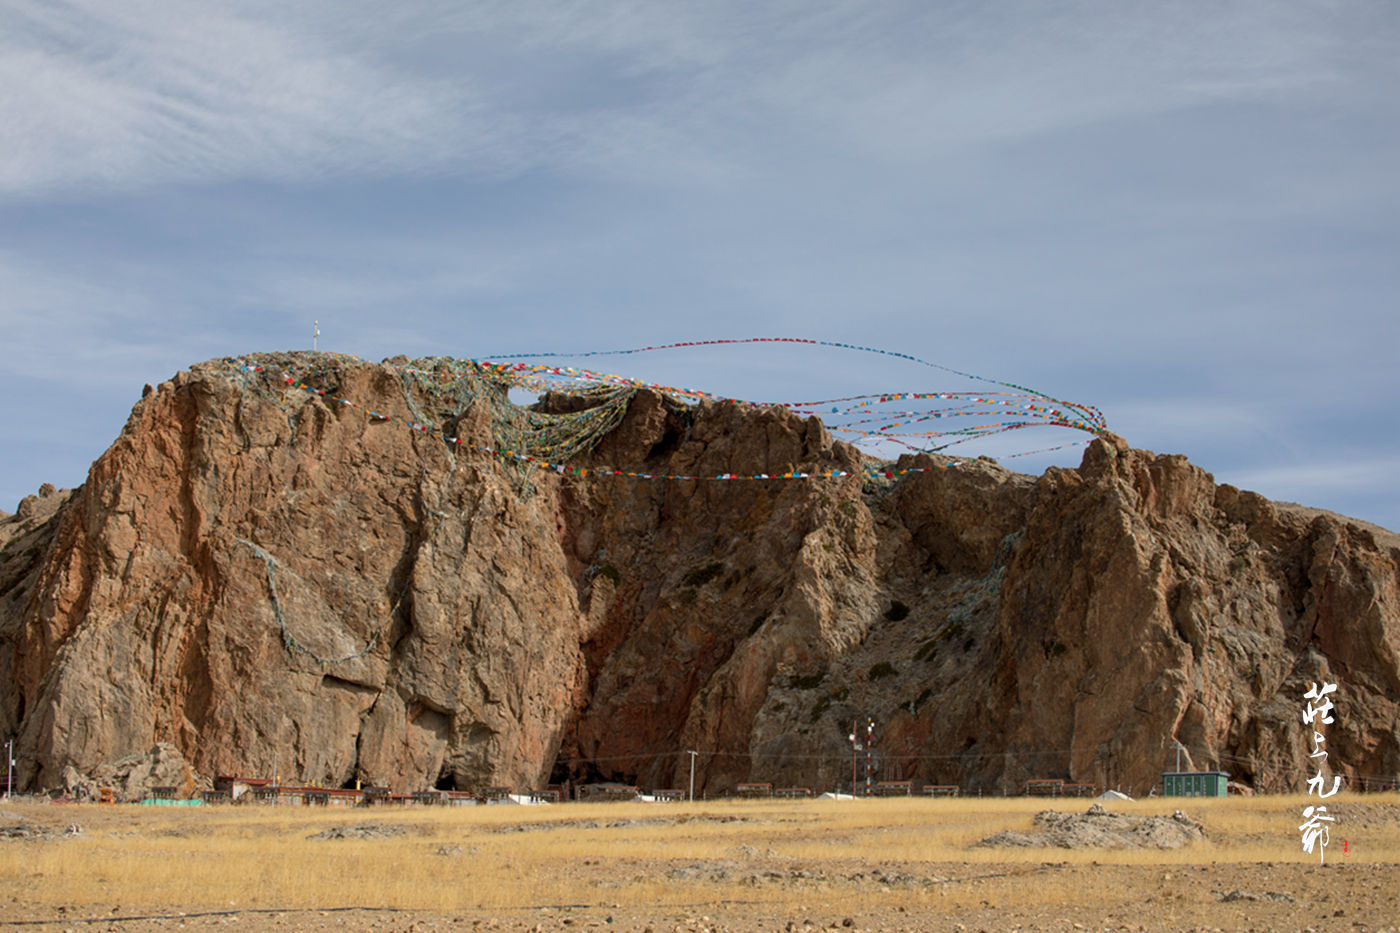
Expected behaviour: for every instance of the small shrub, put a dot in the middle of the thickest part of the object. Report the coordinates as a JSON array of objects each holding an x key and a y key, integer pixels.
[
  {"x": 702, "y": 575},
  {"x": 950, "y": 631},
  {"x": 823, "y": 703},
  {"x": 609, "y": 571},
  {"x": 883, "y": 669},
  {"x": 807, "y": 681}
]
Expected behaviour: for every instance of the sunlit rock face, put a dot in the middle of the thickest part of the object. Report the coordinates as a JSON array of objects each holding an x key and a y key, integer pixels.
[{"x": 263, "y": 576}]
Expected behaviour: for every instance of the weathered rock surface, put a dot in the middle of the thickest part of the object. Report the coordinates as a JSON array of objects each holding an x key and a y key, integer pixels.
[
  {"x": 135, "y": 777},
  {"x": 257, "y": 574}
]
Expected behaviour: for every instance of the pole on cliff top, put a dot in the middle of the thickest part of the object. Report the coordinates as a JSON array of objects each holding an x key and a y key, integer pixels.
[{"x": 315, "y": 333}]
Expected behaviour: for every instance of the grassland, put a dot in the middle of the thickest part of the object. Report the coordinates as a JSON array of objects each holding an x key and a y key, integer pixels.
[{"x": 884, "y": 864}]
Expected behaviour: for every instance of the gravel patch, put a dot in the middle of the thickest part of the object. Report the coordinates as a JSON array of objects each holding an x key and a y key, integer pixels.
[
  {"x": 1099, "y": 829},
  {"x": 363, "y": 831}
]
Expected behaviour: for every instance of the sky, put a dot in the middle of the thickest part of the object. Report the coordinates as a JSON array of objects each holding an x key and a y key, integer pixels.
[{"x": 1186, "y": 214}]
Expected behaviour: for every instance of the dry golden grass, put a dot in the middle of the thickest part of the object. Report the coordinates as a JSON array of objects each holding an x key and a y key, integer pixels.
[{"x": 624, "y": 855}]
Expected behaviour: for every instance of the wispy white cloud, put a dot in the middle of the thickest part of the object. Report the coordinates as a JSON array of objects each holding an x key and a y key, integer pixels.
[
  {"x": 95, "y": 327},
  {"x": 101, "y": 95},
  {"x": 1183, "y": 213},
  {"x": 95, "y": 95},
  {"x": 1206, "y": 418},
  {"x": 364, "y": 275},
  {"x": 1316, "y": 479}
]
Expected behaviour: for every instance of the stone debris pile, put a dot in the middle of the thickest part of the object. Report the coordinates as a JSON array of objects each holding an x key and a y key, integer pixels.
[{"x": 1097, "y": 828}]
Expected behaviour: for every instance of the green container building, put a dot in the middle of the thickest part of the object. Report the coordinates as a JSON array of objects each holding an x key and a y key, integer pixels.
[{"x": 1195, "y": 783}]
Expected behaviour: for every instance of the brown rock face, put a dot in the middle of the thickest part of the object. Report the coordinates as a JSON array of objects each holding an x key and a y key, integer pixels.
[
  {"x": 256, "y": 574},
  {"x": 136, "y": 777}
]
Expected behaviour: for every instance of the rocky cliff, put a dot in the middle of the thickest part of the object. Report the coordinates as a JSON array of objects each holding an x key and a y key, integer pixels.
[{"x": 263, "y": 575}]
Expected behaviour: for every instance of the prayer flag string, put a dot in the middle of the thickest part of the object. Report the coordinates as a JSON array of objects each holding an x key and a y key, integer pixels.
[{"x": 548, "y": 440}]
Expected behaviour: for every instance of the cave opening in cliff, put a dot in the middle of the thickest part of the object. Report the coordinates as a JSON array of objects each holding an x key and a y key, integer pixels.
[
  {"x": 670, "y": 442},
  {"x": 447, "y": 780},
  {"x": 588, "y": 772}
]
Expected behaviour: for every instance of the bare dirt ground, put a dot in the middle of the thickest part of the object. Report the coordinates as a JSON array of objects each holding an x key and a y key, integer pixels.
[{"x": 794, "y": 866}]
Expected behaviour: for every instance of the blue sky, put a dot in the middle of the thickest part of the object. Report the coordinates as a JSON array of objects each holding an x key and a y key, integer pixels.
[{"x": 1185, "y": 214}]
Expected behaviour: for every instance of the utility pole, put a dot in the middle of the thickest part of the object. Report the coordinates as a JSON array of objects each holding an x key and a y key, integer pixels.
[
  {"x": 315, "y": 333},
  {"x": 855, "y": 753},
  {"x": 692, "y": 753},
  {"x": 10, "y": 769},
  {"x": 869, "y": 741}
]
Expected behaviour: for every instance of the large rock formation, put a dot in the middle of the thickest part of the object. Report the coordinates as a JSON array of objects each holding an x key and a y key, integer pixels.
[{"x": 256, "y": 573}]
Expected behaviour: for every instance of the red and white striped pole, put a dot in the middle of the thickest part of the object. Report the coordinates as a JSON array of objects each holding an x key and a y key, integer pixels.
[{"x": 869, "y": 738}]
